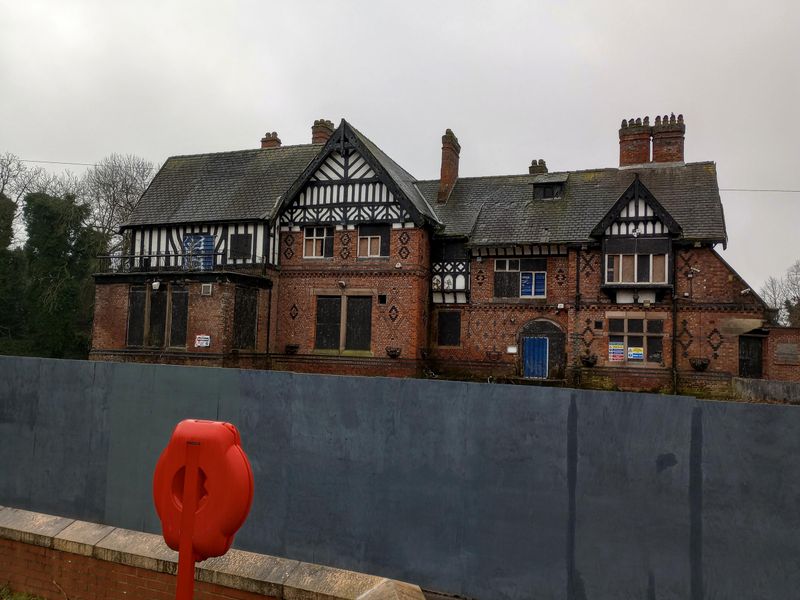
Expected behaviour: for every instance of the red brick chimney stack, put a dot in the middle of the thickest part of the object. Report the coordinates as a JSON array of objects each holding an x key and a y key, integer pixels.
[
  {"x": 451, "y": 150},
  {"x": 321, "y": 131},
  {"x": 270, "y": 140},
  {"x": 634, "y": 142},
  {"x": 668, "y": 137}
]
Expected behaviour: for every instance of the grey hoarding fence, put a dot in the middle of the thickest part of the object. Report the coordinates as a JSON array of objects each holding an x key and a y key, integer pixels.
[{"x": 488, "y": 491}]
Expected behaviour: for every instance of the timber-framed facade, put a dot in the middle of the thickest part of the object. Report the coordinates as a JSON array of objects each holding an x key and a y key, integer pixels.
[{"x": 330, "y": 257}]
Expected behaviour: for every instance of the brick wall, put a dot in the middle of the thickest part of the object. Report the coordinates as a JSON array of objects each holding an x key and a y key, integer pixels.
[
  {"x": 782, "y": 354},
  {"x": 401, "y": 279},
  {"x": 207, "y": 315},
  {"x": 54, "y": 575},
  {"x": 56, "y": 558}
]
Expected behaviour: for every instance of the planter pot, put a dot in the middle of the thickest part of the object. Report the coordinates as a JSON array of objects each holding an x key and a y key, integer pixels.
[
  {"x": 393, "y": 352},
  {"x": 699, "y": 364},
  {"x": 292, "y": 348},
  {"x": 589, "y": 360}
]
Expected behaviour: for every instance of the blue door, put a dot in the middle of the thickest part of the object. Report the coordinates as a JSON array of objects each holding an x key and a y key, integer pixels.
[{"x": 534, "y": 357}]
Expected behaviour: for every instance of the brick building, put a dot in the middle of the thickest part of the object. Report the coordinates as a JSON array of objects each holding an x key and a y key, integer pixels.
[{"x": 330, "y": 257}]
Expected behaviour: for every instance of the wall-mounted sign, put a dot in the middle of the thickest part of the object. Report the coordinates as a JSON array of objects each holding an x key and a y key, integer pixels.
[
  {"x": 202, "y": 341},
  {"x": 511, "y": 349},
  {"x": 635, "y": 353},
  {"x": 616, "y": 351}
]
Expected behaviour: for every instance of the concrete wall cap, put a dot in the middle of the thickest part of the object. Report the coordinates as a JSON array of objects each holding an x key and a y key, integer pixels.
[{"x": 30, "y": 527}]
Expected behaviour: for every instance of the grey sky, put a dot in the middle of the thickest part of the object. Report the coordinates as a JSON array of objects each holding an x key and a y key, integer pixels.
[{"x": 514, "y": 80}]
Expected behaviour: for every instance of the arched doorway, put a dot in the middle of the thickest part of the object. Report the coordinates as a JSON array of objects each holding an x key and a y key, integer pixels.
[{"x": 543, "y": 346}]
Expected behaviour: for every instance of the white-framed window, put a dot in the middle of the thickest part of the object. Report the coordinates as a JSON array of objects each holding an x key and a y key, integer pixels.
[
  {"x": 514, "y": 279},
  {"x": 636, "y": 340},
  {"x": 318, "y": 242},
  {"x": 373, "y": 241},
  {"x": 636, "y": 268}
]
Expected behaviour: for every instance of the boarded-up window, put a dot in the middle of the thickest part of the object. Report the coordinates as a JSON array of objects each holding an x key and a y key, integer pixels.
[
  {"x": 329, "y": 317},
  {"x": 659, "y": 268},
  {"x": 245, "y": 315},
  {"x": 178, "y": 316},
  {"x": 241, "y": 245},
  {"x": 449, "y": 331},
  {"x": 137, "y": 298},
  {"x": 506, "y": 284},
  {"x": 628, "y": 268},
  {"x": 358, "y": 330},
  {"x": 158, "y": 317},
  {"x": 373, "y": 240}
]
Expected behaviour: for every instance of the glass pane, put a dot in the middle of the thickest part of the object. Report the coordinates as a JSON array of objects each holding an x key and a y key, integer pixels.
[
  {"x": 539, "y": 284},
  {"x": 655, "y": 326},
  {"x": 659, "y": 268},
  {"x": 363, "y": 246},
  {"x": 643, "y": 268},
  {"x": 309, "y": 248},
  {"x": 500, "y": 264},
  {"x": 616, "y": 325},
  {"x": 635, "y": 325},
  {"x": 627, "y": 268},
  {"x": 654, "y": 349},
  {"x": 635, "y": 348},
  {"x": 526, "y": 284},
  {"x": 513, "y": 265}
]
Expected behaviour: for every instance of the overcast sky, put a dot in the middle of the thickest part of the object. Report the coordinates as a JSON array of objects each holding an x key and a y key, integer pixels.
[{"x": 514, "y": 80}]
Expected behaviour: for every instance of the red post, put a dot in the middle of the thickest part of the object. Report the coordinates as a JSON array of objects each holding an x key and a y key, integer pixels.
[{"x": 185, "y": 589}]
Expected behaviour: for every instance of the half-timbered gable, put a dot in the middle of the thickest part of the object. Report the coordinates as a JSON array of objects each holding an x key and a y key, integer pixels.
[{"x": 350, "y": 182}]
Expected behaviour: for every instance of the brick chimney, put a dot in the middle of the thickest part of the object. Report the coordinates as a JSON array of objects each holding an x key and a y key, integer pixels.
[
  {"x": 321, "y": 131},
  {"x": 668, "y": 136},
  {"x": 537, "y": 167},
  {"x": 270, "y": 140},
  {"x": 451, "y": 150},
  {"x": 634, "y": 142}
]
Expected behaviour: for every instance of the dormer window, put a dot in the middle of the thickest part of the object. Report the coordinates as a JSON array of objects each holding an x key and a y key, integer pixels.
[{"x": 547, "y": 191}]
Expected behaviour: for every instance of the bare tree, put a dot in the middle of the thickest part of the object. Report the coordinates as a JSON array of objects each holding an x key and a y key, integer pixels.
[
  {"x": 774, "y": 294},
  {"x": 17, "y": 180},
  {"x": 112, "y": 188},
  {"x": 783, "y": 296}
]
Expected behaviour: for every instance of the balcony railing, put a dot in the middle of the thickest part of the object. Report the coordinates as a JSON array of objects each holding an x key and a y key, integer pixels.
[{"x": 194, "y": 262}]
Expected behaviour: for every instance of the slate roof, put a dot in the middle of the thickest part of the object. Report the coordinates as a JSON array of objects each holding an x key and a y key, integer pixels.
[
  {"x": 224, "y": 186},
  {"x": 501, "y": 210},
  {"x": 405, "y": 181}
]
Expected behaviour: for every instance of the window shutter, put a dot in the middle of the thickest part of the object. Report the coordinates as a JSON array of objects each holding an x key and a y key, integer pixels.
[
  {"x": 158, "y": 318},
  {"x": 506, "y": 284},
  {"x": 449, "y": 330},
  {"x": 358, "y": 332},
  {"x": 329, "y": 315},
  {"x": 180, "y": 311},
  {"x": 328, "y": 250},
  {"x": 245, "y": 316},
  {"x": 137, "y": 297}
]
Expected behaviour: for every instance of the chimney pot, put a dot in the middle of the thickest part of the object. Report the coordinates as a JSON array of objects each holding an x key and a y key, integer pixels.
[
  {"x": 321, "y": 131},
  {"x": 451, "y": 151},
  {"x": 271, "y": 140}
]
